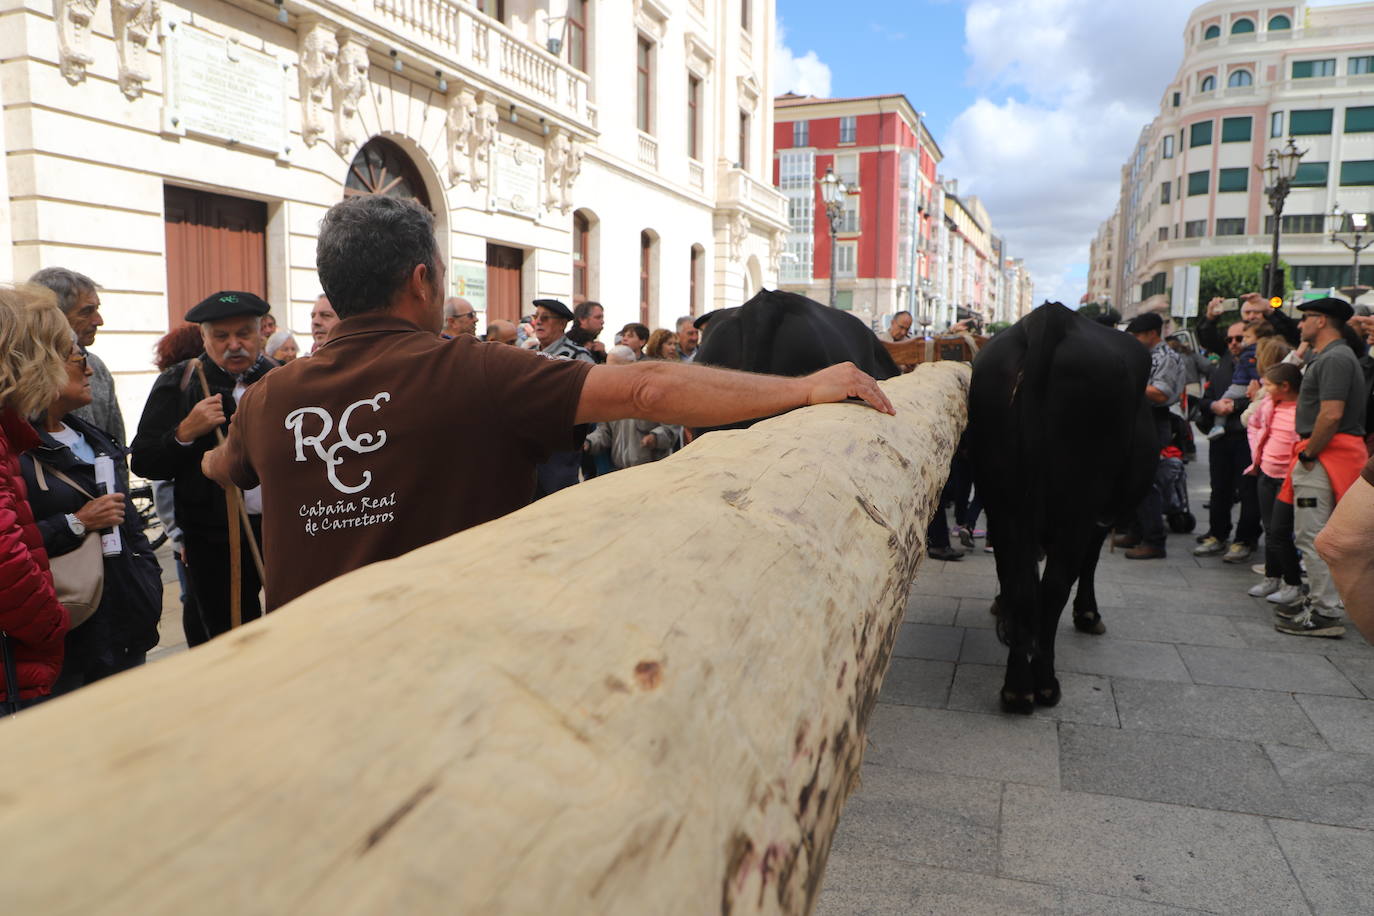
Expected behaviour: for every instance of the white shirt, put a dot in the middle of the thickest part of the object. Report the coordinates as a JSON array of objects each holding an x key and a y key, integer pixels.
[{"x": 252, "y": 499}]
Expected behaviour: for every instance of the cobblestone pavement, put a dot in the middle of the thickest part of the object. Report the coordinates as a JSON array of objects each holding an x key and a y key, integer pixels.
[{"x": 1199, "y": 760}]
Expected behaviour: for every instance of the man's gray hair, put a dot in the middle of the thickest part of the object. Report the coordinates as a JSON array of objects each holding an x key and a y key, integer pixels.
[
  {"x": 367, "y": 249},
  {"x": 67, "y": 285},
  {"x": 685, "y": 319}
]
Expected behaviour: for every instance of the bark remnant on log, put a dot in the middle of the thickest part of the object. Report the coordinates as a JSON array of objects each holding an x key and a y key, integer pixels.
[{"x": 497, "y": 723}]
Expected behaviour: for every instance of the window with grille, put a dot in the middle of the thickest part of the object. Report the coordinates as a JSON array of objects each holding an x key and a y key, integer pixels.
[
  {"x": 796, "y": 170},
  {"x": 1359, "y": 120},
  {"x": 849, "y": 129},
  {"x": 1235, "y": 130},
  {"x": 846, "y": 256},
  {"x": 1357, "y": 173},
  {"x": 1164, "y": 233},
  {"x": 1208, "y": 83},
  {"x": 849, "y": 215},
  {"x": 1298, "y": 224},
  {"x": 1307, "y": 69},
  {"x": 1231, "y": 226},
  {"x": 1354, "y": 66},
  {"x": 1312, "y": 175},
  {"x": 1194, "y": 228},
  {"x": 801, "y": 133},
  {"x": 1233, "y": 180},
  {"x": 1240, "y": 78},
  {"x": 644, "y": 74},
  {"x": 1311, "y": 122}
]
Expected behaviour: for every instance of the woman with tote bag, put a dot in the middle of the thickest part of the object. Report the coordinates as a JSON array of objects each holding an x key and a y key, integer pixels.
[{"x": 115, "y": 601}]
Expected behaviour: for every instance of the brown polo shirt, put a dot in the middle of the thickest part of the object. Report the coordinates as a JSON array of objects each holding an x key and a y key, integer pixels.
[{"x": 389, "y": 438}]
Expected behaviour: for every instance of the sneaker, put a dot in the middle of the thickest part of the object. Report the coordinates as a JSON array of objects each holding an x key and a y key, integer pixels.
[
  {"x": 1209, "y": 547},
  {"x": 987, "y": 548},
  {"x": 1266, "y": 588},
  {"x": 1145, "y": 552},
  {"x": 1288, "y": 595},
  {"x": 1258, "y": 569},
  {"x": 1311, "y": 622},
  {"x": 965, "y": 536},
  {"x": 1238, "y": 552},
  {"x": 945, "y": 553}
]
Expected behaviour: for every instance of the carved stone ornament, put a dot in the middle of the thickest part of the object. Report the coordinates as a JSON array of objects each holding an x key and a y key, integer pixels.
[
  {"x": 319, "y": 55},
  {"x": 73, "y": 34},
  {"x": 483, "y": 138},
  {"x": 135, "y": 21},
  {"x": 776, "y": 244},
  {"x": 462, "y": 125},
  {"x": 350, "y": 82},
  {"x": 739, "y": 233},
  {"x": 562, "y": 164}
]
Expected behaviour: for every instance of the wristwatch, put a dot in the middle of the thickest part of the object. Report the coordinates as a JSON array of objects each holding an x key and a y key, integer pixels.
[{"x": 75, "y": 524}]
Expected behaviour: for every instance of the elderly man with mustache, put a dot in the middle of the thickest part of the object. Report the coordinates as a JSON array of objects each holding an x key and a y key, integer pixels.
[{"x": 178, "y": 426}]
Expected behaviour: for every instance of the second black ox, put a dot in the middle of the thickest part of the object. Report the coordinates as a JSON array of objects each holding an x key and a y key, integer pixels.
[{"x": 1062, "y": 446}]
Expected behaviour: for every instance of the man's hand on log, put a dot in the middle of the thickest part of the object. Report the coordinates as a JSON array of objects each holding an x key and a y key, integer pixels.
[{"x": 843, "y": 381}]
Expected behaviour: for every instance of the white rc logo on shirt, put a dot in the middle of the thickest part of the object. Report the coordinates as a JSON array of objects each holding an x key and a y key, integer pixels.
[{"x": 359, "y": 444}]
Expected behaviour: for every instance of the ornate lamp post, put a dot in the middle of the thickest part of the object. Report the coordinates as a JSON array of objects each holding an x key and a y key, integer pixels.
[
  {"x": 1353, "y": 230},
  {"x": 833, "y": 192},
  {"x": 1279, "y": 169}
]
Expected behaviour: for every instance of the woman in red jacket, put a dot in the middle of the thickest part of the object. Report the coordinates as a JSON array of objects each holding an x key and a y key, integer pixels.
[{"x": 35, "y": 341}]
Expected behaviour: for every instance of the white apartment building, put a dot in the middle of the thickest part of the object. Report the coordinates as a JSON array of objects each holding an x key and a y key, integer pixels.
[
  {"x": 618, "y": 150},
  {"x": 1102, "y": 266},
  {"x": 1251, "y": 77}
]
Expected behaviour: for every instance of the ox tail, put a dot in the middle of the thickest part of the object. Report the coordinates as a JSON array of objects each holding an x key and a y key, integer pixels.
[{"x": 1045, "y": 327}]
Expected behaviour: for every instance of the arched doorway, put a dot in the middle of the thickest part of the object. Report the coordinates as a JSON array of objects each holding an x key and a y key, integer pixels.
[{"x": 382, "y": 167}]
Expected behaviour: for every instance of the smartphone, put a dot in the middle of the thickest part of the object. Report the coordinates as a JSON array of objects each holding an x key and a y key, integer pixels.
[{"x": 1230, "y": 305}]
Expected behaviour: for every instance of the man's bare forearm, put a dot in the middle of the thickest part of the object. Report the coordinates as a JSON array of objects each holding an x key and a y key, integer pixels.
[
  {"x": 686, "y": 395},
  {"x": 1322, "y": 430},
  {"x": 691, "y": 395},
  {"x": 1344, "y": 545},
  {"x": 215, "y": 465}
]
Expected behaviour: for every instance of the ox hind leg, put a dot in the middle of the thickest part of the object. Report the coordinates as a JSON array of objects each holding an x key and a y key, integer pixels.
[
  {"x": 1018, "y": 611},
  {"x": 1064, "y": 564},
  {"x": 1086, "y": 619}
]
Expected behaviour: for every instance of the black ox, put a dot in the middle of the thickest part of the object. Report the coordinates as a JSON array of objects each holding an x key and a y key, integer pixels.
[{"x": 1062, "y": 446}]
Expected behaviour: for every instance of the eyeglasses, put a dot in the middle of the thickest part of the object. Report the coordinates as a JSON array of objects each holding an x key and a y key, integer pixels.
[
  {"x": 78, "y": 360},
  {"x": 1236, "y": 339}
]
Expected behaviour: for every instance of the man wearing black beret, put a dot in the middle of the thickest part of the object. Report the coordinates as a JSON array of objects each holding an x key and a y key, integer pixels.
[
  {"x": 178, "y": 427},
  {"x": 551, "y": 319}
]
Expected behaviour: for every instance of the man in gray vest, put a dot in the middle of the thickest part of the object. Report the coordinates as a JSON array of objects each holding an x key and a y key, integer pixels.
[
  {"x": 79, "y": 301},
  {"x": 551, "y": 319}
]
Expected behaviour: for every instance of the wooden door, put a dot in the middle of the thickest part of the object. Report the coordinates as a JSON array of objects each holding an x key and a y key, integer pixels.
[
  {"x": 504, "y": 299},
  {"x": 214, "y": 242}
]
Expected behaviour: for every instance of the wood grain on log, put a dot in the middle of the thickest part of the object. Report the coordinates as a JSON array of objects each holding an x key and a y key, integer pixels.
[{"x": 644, "y": 694}]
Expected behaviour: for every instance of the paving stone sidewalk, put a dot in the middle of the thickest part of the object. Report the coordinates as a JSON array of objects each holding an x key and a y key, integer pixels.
[{"x": 1199, "y": 761}]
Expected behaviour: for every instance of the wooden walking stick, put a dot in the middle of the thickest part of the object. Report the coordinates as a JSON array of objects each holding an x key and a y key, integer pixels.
[{"x": 239, "y": 523}]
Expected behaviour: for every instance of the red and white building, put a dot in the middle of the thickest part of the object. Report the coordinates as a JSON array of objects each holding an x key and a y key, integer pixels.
[{"x": 886, "y": 247}]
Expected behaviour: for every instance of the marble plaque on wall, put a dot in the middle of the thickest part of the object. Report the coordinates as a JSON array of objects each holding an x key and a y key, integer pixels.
[
  {"x": 218, "y": 88},
  {"x": 518, "y": 174}
]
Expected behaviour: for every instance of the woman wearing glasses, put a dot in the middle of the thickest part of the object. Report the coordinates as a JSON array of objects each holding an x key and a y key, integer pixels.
[
  {"x": 70, "y": 507},
  {"x": 33, "y": 337}
]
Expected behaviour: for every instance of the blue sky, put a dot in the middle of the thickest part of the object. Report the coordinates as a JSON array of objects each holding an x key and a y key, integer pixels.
[{"x": 1035, "y": 103}]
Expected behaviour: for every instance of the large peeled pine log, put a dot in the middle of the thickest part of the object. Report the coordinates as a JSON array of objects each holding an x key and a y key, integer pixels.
[{"x": 645, "y": 694}]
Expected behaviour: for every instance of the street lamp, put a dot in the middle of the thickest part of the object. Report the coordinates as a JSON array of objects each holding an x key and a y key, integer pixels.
[
  {"x": 833, "y": 192},
  {"x": 1280, "y": 167},
  {"x": 1353, "y": 231}
]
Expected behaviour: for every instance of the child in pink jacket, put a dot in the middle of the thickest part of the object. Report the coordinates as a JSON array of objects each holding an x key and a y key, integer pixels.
[{"x": 1273, "y": 434}]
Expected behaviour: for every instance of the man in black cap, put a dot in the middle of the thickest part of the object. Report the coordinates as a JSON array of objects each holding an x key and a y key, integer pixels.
[
  {"x": 1331, "y": 453},
  {"x": 551, "y": 319},
  {"x": 178, "y": 427},
  {"x": 1146, "y": 540}
]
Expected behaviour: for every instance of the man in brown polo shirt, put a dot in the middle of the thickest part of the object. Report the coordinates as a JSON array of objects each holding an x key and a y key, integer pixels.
[{"x": 390, "y": 438}]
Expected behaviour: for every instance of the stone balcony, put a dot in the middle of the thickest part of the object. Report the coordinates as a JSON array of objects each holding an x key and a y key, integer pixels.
[
  {"x": 459, "y": 41},
  {"x": 737, "y": 189}
]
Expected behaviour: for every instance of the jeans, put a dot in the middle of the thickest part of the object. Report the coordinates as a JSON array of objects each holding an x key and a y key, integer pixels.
[
  {"x": 1228, "y": 457},
  {"x": 1280, "y": 554},
  {"x": 1149, "y": 518},
  {"x": 1313, "y": 500}
]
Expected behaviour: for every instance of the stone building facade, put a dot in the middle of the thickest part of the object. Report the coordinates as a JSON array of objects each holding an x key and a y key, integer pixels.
[{"x": 618, "y": 150}]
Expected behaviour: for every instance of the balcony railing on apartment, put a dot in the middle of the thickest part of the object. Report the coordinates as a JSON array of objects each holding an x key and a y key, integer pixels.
[
  {"x": 1295, "y": 34},
  {"x": 471, "y": 41},
  {"x": 648, "y": 151},
  {"x": 737, "y": 188}
]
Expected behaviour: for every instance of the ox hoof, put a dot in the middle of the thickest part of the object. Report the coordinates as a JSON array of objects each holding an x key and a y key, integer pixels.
[
  {"x": 1086, "y": 624},
  {"x": 1048, "y": 696},
  {"x": 1022, "y": 704}
]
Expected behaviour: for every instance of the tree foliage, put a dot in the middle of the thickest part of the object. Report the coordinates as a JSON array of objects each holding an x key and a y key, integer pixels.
[
  {"x": 1090, "y": 310},
  {"x": 1235, "y": 275}
]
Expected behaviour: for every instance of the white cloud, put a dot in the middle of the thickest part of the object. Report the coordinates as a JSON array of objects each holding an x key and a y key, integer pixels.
[
  {"x": 1077, "y": 79},
  {"x": 804, "y": 75}
]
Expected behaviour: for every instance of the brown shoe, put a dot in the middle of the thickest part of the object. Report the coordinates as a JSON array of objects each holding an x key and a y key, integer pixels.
[
  {"x": 1145, "y": 552},
  {"x": 1125, "y": 540}
]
